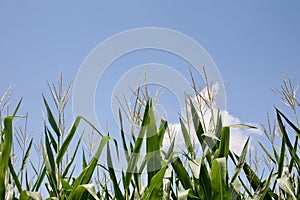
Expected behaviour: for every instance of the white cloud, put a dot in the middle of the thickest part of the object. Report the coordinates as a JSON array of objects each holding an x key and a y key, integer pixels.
[{"x": 238, "y": 136}]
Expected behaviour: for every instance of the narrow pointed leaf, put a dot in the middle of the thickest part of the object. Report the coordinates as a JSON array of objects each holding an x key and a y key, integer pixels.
[
  {"x": 181, "y": 173},
  {"x": 224, "y": 142},
  {"x": 162, "y": 131},
  {"x": 205, "y": 181},
  {"x": 15, "y": 176},
  {"x": 5, "y": 152},
  {"x": 266, "y": 152},
  {"x": 152, "y": 145},
  {"x": 281, "y": 160},
  {"x": 87, "y": 173},
  {"x": 155, "y": 188},
  {"x": 17, "y": 108},
  {"x": 186, "y": 137},
  {"x": 123, "y": 136},
  {"x": 71, "y": 161},
  {"x": 136, "y": 149},
  {"x": 287, "y": 140},
  {"x": 196, "y": 122},
  {"x": 81, "y": 189},
  {"x": 68, "y": 140},
  {"x": 297, "y": 130},
  {"x": 241, "y": 162},
  {"x": 25, "y": 159},
  {"x": 218, "y": 186},
  {"x": 112, "y": 175},
  {"x": 51, "y": 118}
]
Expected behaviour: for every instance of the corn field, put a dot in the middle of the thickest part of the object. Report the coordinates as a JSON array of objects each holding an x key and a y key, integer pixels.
[{"x": 199, "y": 171}]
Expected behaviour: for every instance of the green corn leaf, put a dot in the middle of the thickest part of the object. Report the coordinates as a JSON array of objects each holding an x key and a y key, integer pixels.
[
  {"x": 218, "y": 186},
  {"x": 26, "y": 181},
  {"x": 53, "y": 141},
  {"x": 70, "y": 177},
  {"x": 223, "y": 166},
  {"x": 205, "y": 181},
  {"x": 17, "y": 108},
  {"x": 262, "y": 192},
  {"x": 78, "y": 193},
  {"x": 15, "y": 176},
  {"x": 244, "y": 126},
  {"x": 84, "y": 162},
  {"x": 138, "y": 182},
  {"x": 181, "y": 173},
  {"x": 49, "y": 157},
  {"x": 27, "y": 195},
  {"x": 219, "y": 125},
  {"x": 281, "y": 160},
  {"x": 241, "y": 162},
  {"x": 171, "y": 149},
  {"x": 266, "y": 193},
  {"x": 71, "y": 161},
  {"x": 245, "y": 187},
  {"x": 155, "y": 188},
  {"x": 51, "y": 118},
  {"x": 112, "y": 175},
  {"x": 50, "y": 172},
  {"x": 152, "y": 145},
  {"x": 291, "y": 165},
  {"x": 123, "y": 137},
  {"x": 162, "y": 130},
  {"x": 39, "y": 179},
  {"x": 7, "y": 143},
  {"x": 68, "y": 140},
  {"x": 144, "y": 162},
  {"x": 289, "y": 122},
  {"x": 186, "y": 137},
  {"x": 255, "y": 182},
  {"x": 5, "y": 152},
  {"x": 266, "y": 152},
  {"x": 87, "y": 173},
  {"x": 65, "y": 185},
  {"x": 275, "y": 153},
  {"x": 136, "y": 149},
  {"x": 197, "y": 123},
  {"x": 252, "y": 177},
  {"x": 291, "y": 149},
  {"x": 25, "y": 159},
  {"x": 224, "y": 142}
]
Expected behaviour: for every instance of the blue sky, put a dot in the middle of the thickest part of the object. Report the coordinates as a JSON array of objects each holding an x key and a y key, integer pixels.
[{"x": 251, "y": 43}]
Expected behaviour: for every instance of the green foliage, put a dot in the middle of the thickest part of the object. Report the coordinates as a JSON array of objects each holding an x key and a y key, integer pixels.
[{"x": 200, "y": 171}]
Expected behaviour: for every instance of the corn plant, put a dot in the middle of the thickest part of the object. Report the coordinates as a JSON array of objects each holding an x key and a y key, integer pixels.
[
  {"x": 8, "y": 185},
  {"x": 153, "y": 162},
  {"x": 283, "y": 180},
  {"x": 167, "y": 175},
  {"x": 6, "y": 142},
  {"x": 200, "y": 171},
  {"x": 61, "y": 181}
]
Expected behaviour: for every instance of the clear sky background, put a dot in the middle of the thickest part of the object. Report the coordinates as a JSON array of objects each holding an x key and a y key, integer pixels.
[{"x": 251, "y": 43}]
